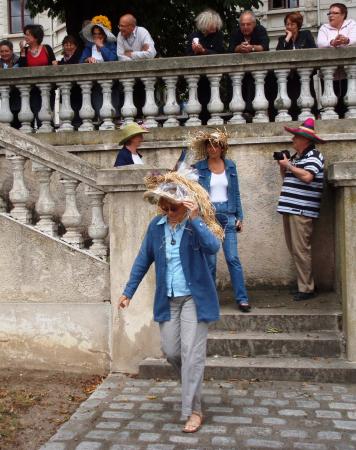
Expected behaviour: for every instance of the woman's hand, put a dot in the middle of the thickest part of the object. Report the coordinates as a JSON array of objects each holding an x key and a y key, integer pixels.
[
  {"x": 239, "y": 226},
  {"x": 123, "y": 302},
  {"x": 198, "y": 49},
  {"x": 91, "y": 60},
  {"x": 55, "y": 63},
  {"x": 289, "y": 35},
  {"x": 99, "y": 42},
  {"x": 192, "y": 207}
]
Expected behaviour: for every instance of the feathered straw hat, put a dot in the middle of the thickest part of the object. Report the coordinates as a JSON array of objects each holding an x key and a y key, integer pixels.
[
  {"x": 176, "y": 188},
  {"x": 103, "y": 23},
  {"x": 198, "y": 141}
]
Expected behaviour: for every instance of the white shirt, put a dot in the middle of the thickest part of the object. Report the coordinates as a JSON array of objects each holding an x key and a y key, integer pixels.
[
  {"x": 218, "y": 187},
  {"x": 95, "y": 53},
  {"x": 137, "y": 39},
  {"x": 327, "y": 33},
  {"x": 136, "y": 158}
]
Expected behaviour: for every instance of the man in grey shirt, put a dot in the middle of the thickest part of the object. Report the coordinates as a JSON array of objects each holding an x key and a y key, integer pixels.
[{"x": 133, "y": 42}]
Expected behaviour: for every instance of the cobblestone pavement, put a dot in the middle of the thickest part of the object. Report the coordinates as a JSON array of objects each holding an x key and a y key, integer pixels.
[{"x": 131, "y": 414}]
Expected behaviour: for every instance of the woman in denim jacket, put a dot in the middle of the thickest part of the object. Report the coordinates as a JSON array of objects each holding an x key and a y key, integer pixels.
[{"x": 219, "y": 177}]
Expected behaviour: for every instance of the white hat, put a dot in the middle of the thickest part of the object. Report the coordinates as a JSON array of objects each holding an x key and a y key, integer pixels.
[{"x": 86, "y": 32}]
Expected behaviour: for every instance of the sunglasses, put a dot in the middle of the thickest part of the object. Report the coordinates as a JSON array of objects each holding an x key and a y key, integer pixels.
[
  {"x": 171, "y": 208},
  {"x": 333, "y": 13}
]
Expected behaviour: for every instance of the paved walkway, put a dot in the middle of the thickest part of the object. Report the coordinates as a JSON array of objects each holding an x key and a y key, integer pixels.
[{"x": 131, "y": 414}]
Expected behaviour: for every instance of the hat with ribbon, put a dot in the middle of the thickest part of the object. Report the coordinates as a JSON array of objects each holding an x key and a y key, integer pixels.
[
  {"x": 306, "y": 130},
  {"x": 129, "y": 131}
]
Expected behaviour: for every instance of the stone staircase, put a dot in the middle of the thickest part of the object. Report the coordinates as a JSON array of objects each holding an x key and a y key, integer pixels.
[{"x": 279, "y": 340}]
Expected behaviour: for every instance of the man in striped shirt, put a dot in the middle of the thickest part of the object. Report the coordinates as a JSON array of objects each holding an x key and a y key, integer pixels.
[{"x": 299, "y": 202}]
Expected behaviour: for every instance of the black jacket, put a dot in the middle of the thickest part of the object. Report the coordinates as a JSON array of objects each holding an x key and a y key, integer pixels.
[
  {"x": 124, "y": 157},
  {"x": 304, "y": 40},
  {"x": 259, "y": 36},
  {"x": 74, "y": 59},
  {"x": 213, "y": 43}
]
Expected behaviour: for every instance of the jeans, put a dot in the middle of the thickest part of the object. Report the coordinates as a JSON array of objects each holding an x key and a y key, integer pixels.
[{"x": 227, "y": 221}]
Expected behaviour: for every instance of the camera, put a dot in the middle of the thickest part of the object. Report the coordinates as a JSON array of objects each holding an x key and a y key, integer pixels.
[{"x": 278, "y": 156}]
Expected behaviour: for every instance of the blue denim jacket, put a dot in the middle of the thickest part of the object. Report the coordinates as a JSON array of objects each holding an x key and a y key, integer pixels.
[
  {"x": 197, "y": 242},
  {"x": 233, "y": 191}
]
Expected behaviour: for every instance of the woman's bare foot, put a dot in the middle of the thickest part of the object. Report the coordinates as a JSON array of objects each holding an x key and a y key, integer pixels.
[{"x": 194, "y": 423}]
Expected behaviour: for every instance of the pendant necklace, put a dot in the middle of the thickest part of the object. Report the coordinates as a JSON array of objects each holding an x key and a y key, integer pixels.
[{"x": 172, "y": 233}]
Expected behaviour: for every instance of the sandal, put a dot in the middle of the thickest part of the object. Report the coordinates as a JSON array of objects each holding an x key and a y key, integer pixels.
[{"x": 192, "y": 426}]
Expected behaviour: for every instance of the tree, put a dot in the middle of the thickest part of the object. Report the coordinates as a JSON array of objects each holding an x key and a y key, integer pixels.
[{"x": 169, "y": 21}]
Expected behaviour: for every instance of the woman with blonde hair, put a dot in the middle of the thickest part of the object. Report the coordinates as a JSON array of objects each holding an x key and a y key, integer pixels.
[{"x": 208, "y": 39}]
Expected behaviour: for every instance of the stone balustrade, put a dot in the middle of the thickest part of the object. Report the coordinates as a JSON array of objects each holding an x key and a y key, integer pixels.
[
  {"x": 45, "y": 160},
  {"x": 172, "y": 92}
]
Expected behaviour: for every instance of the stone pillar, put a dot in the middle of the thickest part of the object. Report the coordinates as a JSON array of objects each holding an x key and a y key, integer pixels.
[
  {"x": 193, "y": 106},
  {"x": 237, "y": 104},
  {"x": 134, "y": 334},
  {"x": 282, "y": 102},
  {"x": 107, "y": 111},
  {"x": 6, "y": 115},
  {"x": 215, "y": 105},
  {"x": 71, "y": 217},
  {"x": 97, "y": 230},
  {"x": 305, "y": 100},
  {"x": 66, "y": 113},
  {"x": 128, "y": 110},
  {"x": 328, "y": 99},
  {"x": 260, "y": 103},
  {"x": 150, "y": 109},
  {"x": 350, "y": 98},
  {"x": 45, "y": 114},
  {"x": 86, "y": 112},
  {"x": 171, "y": 107},
  {"x": 25, "y": 114},
  {"x": 343, "y": 176},
  {"x": 19, "y": 194}
]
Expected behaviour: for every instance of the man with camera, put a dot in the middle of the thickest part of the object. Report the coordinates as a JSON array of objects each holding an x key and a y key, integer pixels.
[{"x": 299, "y": 201}]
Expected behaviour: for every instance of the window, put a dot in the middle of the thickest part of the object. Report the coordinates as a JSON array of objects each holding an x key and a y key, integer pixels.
[
  {"x": 19, "y": 15},
  {"x": 283, "y": 4}
]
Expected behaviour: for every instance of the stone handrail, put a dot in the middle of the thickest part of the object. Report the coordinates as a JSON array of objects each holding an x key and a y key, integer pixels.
[
  {"x": 113, "y": 83},
  {"x": 72, "y": 170}
]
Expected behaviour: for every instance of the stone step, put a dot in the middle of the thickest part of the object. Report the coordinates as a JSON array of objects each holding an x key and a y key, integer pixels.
[
  {"x": 319, "y": 370},
  {"x": 286, "y": 320},
  {"x": 251, "y": 344}
]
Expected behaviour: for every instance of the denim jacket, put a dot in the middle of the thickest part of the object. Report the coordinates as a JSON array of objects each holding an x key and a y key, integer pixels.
[
  {"x": 197, "y": 242},
  {"x": 233, "y": 191}
]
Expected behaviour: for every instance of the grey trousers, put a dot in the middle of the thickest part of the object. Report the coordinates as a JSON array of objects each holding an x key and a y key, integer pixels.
[{"x": 183, "y": 342}]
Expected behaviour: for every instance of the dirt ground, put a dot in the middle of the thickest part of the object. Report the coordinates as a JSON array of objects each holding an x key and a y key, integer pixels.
[{"x": 34, "y": 404}]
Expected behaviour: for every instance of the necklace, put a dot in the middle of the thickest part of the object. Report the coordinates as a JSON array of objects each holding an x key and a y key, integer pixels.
[
  {"x": 172, "y": 232},
  {"x": 35, "y": 52}
]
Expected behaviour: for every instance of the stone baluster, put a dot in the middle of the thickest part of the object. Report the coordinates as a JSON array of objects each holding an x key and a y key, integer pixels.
[
  {"x": 171, "y": 107},
  {"x": 328, "y": 99},
  {"x": 45, "y": 114},
  {"x": 128, "y": 110},
  {"x": 97, "y": 230},
  {"x": 215, "y": 105},
  {"x": 86, "y": 112},
  {"x": 237, "y": 104},
  {"x": 193, "y": 107},
  {"x": 107, "y": 111},
  {"x": 2, "y": 205},
  {"x": 282, "y": 102},
  {"x": 150, "y": 109},
  {"x": 66, "y": 113},
  {"x": 260, "y": 103},
  {"x": 25, "y": 114},
  {"x": 305, "y": 100},
  {"x": 45, "y": 205},
  {"x": 71, "y": 217},
  {"x": 350, "y": 98},
  {"x": 6, "y": 115},
  {"x": 19, "y": 193}
]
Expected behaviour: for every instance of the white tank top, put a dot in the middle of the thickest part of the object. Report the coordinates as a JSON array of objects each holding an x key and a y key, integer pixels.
[
  {"x": 218, "y": 187},
  {"x": 136, "y": 158}
]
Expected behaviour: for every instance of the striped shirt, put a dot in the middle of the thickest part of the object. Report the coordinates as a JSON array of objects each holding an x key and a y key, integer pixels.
[{"x": 298, "y": 197}]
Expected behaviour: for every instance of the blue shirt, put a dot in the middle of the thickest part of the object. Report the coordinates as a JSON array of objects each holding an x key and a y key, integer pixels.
[{"x": 175, "y": 279}]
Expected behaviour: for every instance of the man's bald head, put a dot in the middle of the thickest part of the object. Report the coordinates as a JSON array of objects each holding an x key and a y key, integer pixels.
[{"x": 127, "y": 24}]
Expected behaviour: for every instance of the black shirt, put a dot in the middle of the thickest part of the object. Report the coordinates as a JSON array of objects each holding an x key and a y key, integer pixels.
[
  {"x": 213, "y": 43},
  {"x": 259, "y": 36},
  {"x": 304, "y": 40}
]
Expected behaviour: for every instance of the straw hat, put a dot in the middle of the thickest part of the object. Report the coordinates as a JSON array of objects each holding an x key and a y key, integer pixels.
[
  {"x": 86, "y": 31},
  {"x": 176, "y": 188},
  {"x": 306, "y": 130},
  {"x": 129, "y": 131},
  {"x": 199, "y": 140}
]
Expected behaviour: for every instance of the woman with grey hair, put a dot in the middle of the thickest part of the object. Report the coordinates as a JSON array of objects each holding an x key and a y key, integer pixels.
[{"x": 208, "y": 39}]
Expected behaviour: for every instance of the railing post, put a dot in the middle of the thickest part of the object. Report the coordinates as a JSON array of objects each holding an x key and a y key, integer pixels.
[
  {"x": 2, "y": 205},
  {"x": 328, "y": 99},
  {"x": 282, "y": 102},
  {"x": 66, "y": 113},
  {"x": 350, "y": 98},
  {"x": 193, "y": 107},
  {"x": 260, "y": 103},
  {"x": 215, "y": 105},
  {"x": 171, "y": 107},
  {"x": 71, "y": 217},
  {"x": 19, "y": 193},
  {"x": 237, "y": 104},
  {"x": 25, "y": 114},
  {"x": 45, "y": 205},
  {"x": 6, "y": 115},
  {"x": 86, "y": 112},
  {"x": 150, "y": 109},
  {"x": 128, "y": 110},
  {"x": 97, "y": 230},
  {"x": 107, "y": 111},
  {"x": 45, "y": 114},
  {"x": 305, "y": 100}
]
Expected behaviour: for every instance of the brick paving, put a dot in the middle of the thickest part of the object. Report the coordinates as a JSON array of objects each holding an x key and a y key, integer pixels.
[{"x": 132, "y": 414}]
